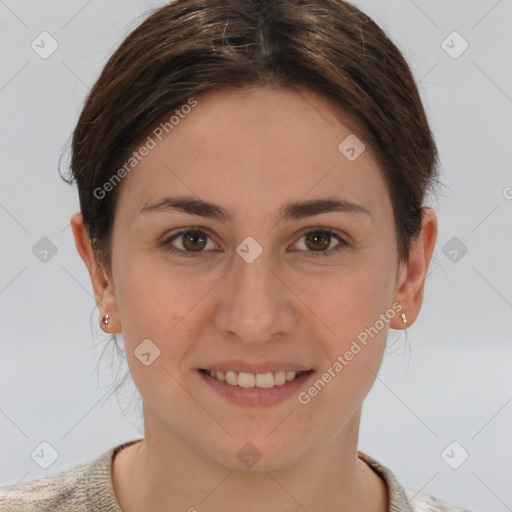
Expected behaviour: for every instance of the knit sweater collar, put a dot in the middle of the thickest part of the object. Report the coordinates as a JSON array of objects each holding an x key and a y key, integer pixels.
[{"x": 101, "y": 495}]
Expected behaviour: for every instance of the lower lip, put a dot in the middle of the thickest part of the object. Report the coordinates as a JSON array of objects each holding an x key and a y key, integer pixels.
[{"x": 256, "y": 396}]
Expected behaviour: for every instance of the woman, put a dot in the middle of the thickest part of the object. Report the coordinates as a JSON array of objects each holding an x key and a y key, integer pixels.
[{"x": 252, "y": 177}]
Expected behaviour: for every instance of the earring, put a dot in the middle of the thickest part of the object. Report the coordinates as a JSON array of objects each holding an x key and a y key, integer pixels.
[
  {"x": 404, "y": 318},
  {"x": 105, "y": 319}
]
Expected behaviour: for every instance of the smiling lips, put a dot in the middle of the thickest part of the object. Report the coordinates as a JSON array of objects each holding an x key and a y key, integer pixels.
[{"x": 251, "y": 380}]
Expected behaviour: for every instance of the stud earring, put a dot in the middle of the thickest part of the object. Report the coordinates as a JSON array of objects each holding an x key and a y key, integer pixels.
[
  {"x": 404, "y": 318},
  {"x": 105, "y": 319}
]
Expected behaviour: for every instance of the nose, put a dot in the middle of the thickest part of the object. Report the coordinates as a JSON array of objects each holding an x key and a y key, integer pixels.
[{"x": 255, "y": 303}]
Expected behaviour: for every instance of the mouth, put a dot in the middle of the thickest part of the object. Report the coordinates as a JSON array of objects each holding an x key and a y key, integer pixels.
[{"x": 254, "y": 380}]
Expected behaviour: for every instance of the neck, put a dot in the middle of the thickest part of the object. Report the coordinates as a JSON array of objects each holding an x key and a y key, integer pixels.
[{"x": 166, "y": 473}]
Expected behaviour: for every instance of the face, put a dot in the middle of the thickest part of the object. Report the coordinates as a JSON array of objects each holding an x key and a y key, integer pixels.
[{"x": 264, "y": 288}]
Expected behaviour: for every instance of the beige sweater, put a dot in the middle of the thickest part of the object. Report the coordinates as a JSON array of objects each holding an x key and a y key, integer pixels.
[{"x": 87, "y": 487}]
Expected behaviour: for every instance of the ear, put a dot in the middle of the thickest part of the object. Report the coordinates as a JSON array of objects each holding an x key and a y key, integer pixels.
[
  {"x": 102, "y": 283},
  {"x": 411, "y": 281}
]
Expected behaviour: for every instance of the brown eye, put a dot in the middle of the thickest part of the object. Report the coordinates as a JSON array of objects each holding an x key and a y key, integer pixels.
[
  {"x": 318, "y": 241},
  {"x": 193, "y": 242}
]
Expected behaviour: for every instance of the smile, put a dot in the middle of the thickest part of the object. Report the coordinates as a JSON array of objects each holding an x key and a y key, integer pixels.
[
  {"x": 255, "y": 389},
  {"x": 251, "y": 380}
]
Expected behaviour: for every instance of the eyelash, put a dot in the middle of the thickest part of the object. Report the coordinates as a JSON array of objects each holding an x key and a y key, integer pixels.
[{"x": 314, "y": 254}]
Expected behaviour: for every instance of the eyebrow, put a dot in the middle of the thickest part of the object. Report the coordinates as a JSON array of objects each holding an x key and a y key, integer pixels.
[{"x": 289, "y": 211}]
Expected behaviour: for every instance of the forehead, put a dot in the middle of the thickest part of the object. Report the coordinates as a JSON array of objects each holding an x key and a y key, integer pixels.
[{"x": 255, "y": 147}]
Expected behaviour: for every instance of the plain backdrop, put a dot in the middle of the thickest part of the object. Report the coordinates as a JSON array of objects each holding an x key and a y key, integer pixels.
[{"x": 444, "y": 391}]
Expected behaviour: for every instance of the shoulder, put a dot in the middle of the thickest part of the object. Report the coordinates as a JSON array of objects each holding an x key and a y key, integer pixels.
[
  {"x": 65, "y": 490},
  {"x": 423, "y": 502},
  {"x": 82, "y": 488},
  {"x": 403, "y": 499}
]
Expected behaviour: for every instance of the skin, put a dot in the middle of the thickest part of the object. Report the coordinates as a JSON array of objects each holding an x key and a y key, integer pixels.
[{"x": 251, "y": 151}]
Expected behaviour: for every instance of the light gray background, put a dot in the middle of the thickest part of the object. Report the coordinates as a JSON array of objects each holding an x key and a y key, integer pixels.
[{"x": 449, "y": 380}]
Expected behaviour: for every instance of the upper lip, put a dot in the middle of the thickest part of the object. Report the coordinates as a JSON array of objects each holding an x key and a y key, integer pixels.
[{"x": 238, "y": 365}]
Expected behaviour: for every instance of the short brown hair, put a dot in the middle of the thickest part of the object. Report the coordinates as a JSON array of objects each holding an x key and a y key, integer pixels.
[{"x": 189, "y": 47}]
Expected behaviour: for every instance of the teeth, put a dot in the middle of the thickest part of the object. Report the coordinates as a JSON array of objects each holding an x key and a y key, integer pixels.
[
  {"x": 246, "y": 380},
  {"x": 263, "y": 380},
  {"x": 279, "y": 378},
  {"x": 251, "y": 380},
  {"x": 290, "y": 375},
  {"x": 230, "y": 378}
]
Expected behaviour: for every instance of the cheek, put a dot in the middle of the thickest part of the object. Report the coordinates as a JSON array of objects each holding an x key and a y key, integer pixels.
[
  {"x": 160, "y": 303},
  {"x": 355, "y": 309},
  {"x": 154, "y": 305},
  {"x": 352, "y": 343},
  {"x": 351, "y": 300},
  {"x": 151, "y": 293}
]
